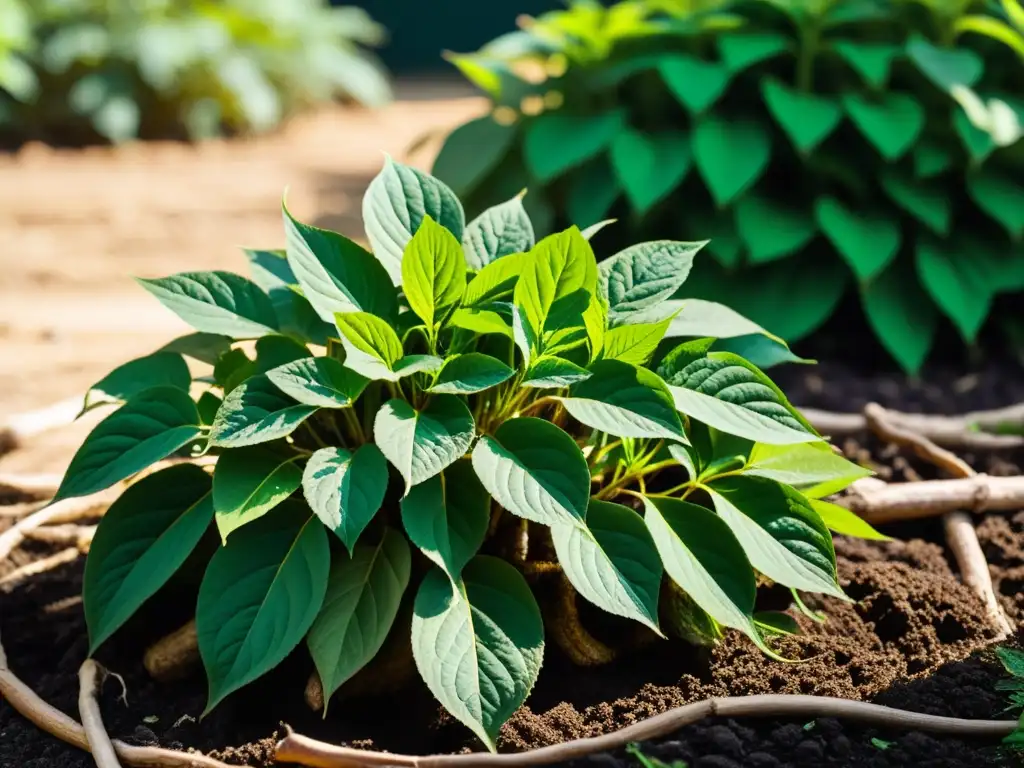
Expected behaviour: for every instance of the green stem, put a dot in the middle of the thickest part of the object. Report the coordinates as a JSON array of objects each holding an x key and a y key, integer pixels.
[
  {"x": 809, "y": 41},
  {"x": 354, "y": 426},
  {"x": 314, "y": 434}
]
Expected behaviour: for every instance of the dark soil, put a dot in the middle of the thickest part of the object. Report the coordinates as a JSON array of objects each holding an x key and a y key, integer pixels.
[{"x": 914, "y": 639}]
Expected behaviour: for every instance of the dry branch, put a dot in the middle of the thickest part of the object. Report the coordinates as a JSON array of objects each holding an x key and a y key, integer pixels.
[
  {"x": 67, "y": 533},
  {"x": 92, "y": 722},
  {"x": 172, "y": 657},
  {"x": 37, "y": 567},
  {"x": 25, "y": 425},
  {"x": 36, "y": 486},
  {"x": 66, "y": 510},
  {"x": 26, "y": 702},
  {"x": 889, "y": 502}
]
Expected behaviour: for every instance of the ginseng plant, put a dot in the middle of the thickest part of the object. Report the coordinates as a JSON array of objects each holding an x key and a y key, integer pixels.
[{"x": 444, "y": 445}]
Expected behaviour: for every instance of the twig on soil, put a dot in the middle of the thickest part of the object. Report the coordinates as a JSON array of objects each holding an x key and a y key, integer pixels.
[
  {"x": 959, "y": 529},
  {"x": 26, "y": 702},
  {"x": 950, "y": 431},
  {"x": 68, "y": 533},
  {"x": 295, "y": 748},
  {"x": 37, "y": 567},
  {"x": 36, "y": 486},
  {"x": 880, "y": 502},
  {"x": 89, "y": 679},
  {"x": 173, "y": 656},
  {"x": 25, "y": 425},
  {"x": 66, "y": 510}
]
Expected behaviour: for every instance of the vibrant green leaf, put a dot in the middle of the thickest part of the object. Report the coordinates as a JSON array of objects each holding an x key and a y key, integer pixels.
[
  {"x": 954, "y": 280},
  {"x": 726, "y": 392},
  {"x": 534, "y": 470},
  {"x": 979, "y": 143},
  {"x": 1012, "y": 660},
  {"x": 650, "y": 165},
  {"x": 556, "y": 142},
  {"x": 346, "y": 489},
  {"x": 595, "y": 320},
  {"x": 256, "y": 412},
  {"x": 634, "y": 344},
  {"x": 249, "y": 482},
  {"x": 216, "y": 302},
  {"x": 760, "y": 350},
  {"x": 781, "y": 533},
  {"x": 447, "y": 517},
  {"x": 999, "y": 197},
  {"x": 501, "y": 230},
  {"x": 593, "y": 189},
  {"x": 336, "y": 274},
  {"x": 364, "y": 592},
  {"x": 141, "y": 541},
  {"x": 471, "y": 152},
  {"x": 730, "y": 154},
  {"x": 903, "y": 317},
  {"x": 270, "y": 270},
  {"x": 394, "y": 206},
  {"x": 845, "y": 522},
  {"x": 811, "y": 468},
  {"x": 481, "y": 321},
  {"x": 643, "y": 276},
  {"x": 891, "y": 122},
  {"x": 697, "y": 84},
  {"x": 160, "y": 369},
  {"x": 867, "y": 239},
  {"x": 258, "y": 598},
  {"x": 150, "y": 426},
  {"x": 777, "y": 623},
  {"x": 718, "y": 226},
  {"x": 496, "y": 281},
  {"x": 372, "y": 348},
  {"x": 204, "y": 347},
  {"x": 319, "y": 381},
  {"x": 433, "y": 272},
  {"x": 422, "y": 443},
  {"x": 624, "y": 401},
  {"x": 472, "y": 372},
  {"x": 478, "y": 644},
  {"x": 927, "y": 204},
  {"x": 806, "y": 118},
  {"x": 946, "y": 67},
  {"x": 699, "y": 318},
  {"x": 553, "y": 373},
  {"x": 741, "y": 50},
  {"x": 612, "y": 562},
  {"x": 770, "y": 228},
  {"x": 930, "y": 159},
  {"x": 873, "y": 61}
]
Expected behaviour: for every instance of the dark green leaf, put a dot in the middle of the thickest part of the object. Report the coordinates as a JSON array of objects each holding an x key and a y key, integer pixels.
[
  {"x": 422, "y": 443},
  {"x": 1012, "y": 660},
  {"x": 346, "y": 489},
  {"x": 553, "y": 373},
  {"x": 955, "y": 282},
  {"x": 319, "y": 381},
  {"x": 643, "y": 276},
  {"x": 999, "y": 197},
  {"x": 979, "y": 143},
  {"x": 928, "y": 204},
  {"x": 806, "y": 118},
  {"x": 760, "y": 350},
  {"x": 160, "y": 369},
  {"x": 216, "y": 302},
  {"x": 873, "y": 61},
  {"x": 930, "y": 159},
  {"x": 556, "y": 142},
  {"x": 650, "y": 165},
  {"x": 471, "y": 152},
  {"x": 593, "y": 189},
  {"x": 770, "y": 228},
  {"x": 204, "y": 347},
  {"x": 891, "y": 122},
  {"x": 141, "y": 541},
  {"x": 697, "y": 84},
  {"x": 258, "y": 598},
  {"x": 472, "y": 372},
  {"x": 499, "y": 231},
  {"x": 249, "y": 482},
  {"x": 730, "y": 154},
  {"x": 867, "y": 239},
  {"x": 433, "y": 272},
  {"x": 147, "y": 428},
  {"x": 903, "y": 317},
  {"x": 741, "y": 50},
  {"x": 256, "y": 412}
]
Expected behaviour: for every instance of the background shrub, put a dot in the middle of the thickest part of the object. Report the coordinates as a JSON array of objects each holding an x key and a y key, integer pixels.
[
  {"x": 81, "y": 71},
  {"x": 825, "y": 147}
]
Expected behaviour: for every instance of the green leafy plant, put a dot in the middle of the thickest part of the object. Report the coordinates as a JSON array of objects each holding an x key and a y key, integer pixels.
[
  {"x": 80, "y": 71},
  {"x": 441, "y": 424},
  {"x": 826, "y": 147}
]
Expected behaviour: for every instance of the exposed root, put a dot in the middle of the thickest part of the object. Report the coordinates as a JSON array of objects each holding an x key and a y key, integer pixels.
[
  {"x": 67, "y": 510},
  {"x": 34, "y": 486},
  {"x": 20, "y": 510},
  {"x": 37, "y": 567},
  {"x": 570, "y": 635},
  {"x": 174, "y": 656},
  {"x": 25, "y": 701},
  {"x": 25, "y": 425},
  {"x": 880, "y": 502},
  {"x": 89, "y": 710},
  {"x": 68, "y": 533},
  {"x": 959, "y": 529}
]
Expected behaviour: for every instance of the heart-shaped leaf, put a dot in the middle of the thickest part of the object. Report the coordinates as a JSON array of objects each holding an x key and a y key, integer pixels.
[
  {"x": 873, "y": 61},
  {"x": 147, "y": 428},
  {"x": 320, "y": 381},
  {"x": 999, "y": 197},
  {"x": 161, "y": 369},
  {"x": 216, "y": 302},
  {"x": 394, "y": 206},
  {"x": 469, "y": 373},
  {"x": 447, "y": 517},
  {"x": 501, "y": 230},
  {"x": 730, "y": 154},
  {"x": 345, "y": 489},
  {"x": 256, "y": 411},
  {"x": 249, "y": 482},
  {"x": 697, "y": 84},
  {"x": 770, "y": 228},
  {"x": 867, "y": 239},
  {"x": 556, "y": 142},
  {"x": 977, "y": 141},
  {"x": 930, "y": 159},
  {"x": 259, "y": 597},
  {"x": 741, "y": 50},
  {"x": 625, "y": 401},
  {"x": 643, "y": 276},
  {"x": 433, "y": 272},
  {"x": 534, "y": 470},
  {"x": 946, "y": 67},
  {"x": 421, "y": 443},
  {"x": 901, "y": 314},
  {"x": 612, "y": 562},
  {"x": 141, "y": 541},
  {"x": 956, "y": 283},
  {"x": 650, "y": 165},
  {"x": 806, "y": 118},
  {"x": 927, "y": 204},
  {"x": 364, "y": 592},
  {"x": 891, "y": 122}
]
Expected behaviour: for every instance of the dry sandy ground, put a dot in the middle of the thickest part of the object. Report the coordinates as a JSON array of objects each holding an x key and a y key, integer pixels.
[{"x": 75, "y": 226}]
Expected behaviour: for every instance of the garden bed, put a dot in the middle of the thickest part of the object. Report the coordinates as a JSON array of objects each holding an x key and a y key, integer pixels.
[{"x": 916, "y": 639}]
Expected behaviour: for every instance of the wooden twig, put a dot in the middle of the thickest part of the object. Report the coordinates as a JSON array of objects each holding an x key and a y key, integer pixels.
[
  {"x": 889, "y": 502},
  {"x": 173, "y": 657},
  {"x": 26, "y": 702},
  {"x": 295, "y": 748},
  {"x": 959, "y": 529},
  {"x": 19, "y": 428},
  {"x": 36, "y": 486},
  {"x": 67, "y": 533},
  {"x": 92, "y": 722},
  {"x": 950, "y": 431},
  {"x": 66, "y": 510},
  {"x": 37, "y": 567}
]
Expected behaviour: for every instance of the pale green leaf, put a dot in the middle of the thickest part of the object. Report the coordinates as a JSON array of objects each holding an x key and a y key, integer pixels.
[
  {"x": 553, "y": 373},
  {"x": 216, "y": 302},
  {"x": 372, "y": 348},
  {"x": 812, "y": 468},
  {"x": 469, "y": 373},
  {"x": 634, "y": 344},
  {"x": 256, "y": 411},
  {"x": 319, "y": 381},
  {"x": 345, "y": 489},
  {"x": 842, "y": 520},
  {"x": 501, "y": 230},
  {"x": 642, "y": 277}
]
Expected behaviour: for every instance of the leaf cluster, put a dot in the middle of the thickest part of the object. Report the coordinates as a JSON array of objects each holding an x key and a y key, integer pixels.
[
  {"x": 430, "y": 423},
  {"x": 84, "y": 71},
  {"x": 843, "y": 146}
]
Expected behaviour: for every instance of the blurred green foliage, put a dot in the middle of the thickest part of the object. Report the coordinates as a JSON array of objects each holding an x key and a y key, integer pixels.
[
  {"x": 82, "y": 71},
  {"x": 825, "y": 147}
]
